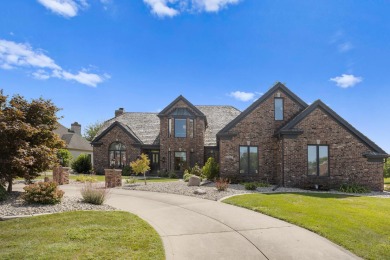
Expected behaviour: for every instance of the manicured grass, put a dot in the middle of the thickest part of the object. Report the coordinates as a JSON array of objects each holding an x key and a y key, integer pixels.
[
  {"x": 387, "y": 180},
  {"x": 359, "y": 224},
  {"x": 80, "y": 235}
]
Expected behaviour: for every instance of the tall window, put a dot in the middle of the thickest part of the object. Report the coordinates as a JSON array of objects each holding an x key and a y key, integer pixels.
[
  {"x": 180, "y": 127},
  {"x": 318, "y": 160},
  {"x": 278, "y": 108},
  {"x": 117, "y": 155},
  {"x": 249, "y": 160},
  {"x": 180, "y": 161},
  {"x": 170, "y": 127},
  {"x": 191, "y": 128}
]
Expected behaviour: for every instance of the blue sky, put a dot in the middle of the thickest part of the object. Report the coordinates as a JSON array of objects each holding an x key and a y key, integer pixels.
[{"x": 91, "y": 57}]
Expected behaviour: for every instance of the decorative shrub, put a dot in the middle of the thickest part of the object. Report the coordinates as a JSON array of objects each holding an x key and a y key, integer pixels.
[
  {"x": 221, "y": 184},
  {"x": 187, "y": 175},
  {"x": 353, "y": 188},
  {"x": 43, "y": 193},
  {"x": 3, "y": 193},
  {"x": 172, "y": 175},
  {"x": 196, "y": 170},
  {"x": 131, "y": 180},
  {"x": 82, "y": 164},
  {"x": 162, "y": 174},
  {"x": 262, "y": 184},
  {"x": 127, "y": 171},
  {"x": 210, "y": 169},
  {"x": 250, "y": 186},
  {"x": 94, "y": 194},
  {"x": 83, "y": 178},
  {"x": 65, "y": 157}
]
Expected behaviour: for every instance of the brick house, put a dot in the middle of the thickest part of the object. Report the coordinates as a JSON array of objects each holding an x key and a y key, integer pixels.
[{"x": 278, "y": 138}]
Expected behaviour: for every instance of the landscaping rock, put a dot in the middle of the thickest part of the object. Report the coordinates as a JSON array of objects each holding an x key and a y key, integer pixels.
[
  {"x": 205, "y": 182},
  {"x": 194, "y": 181},
  {"x": 199, "y": 192}
]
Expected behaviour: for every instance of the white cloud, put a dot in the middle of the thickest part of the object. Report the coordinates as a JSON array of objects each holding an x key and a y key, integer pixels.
[
  {"x": 66, "y": 8},
  {"x": 18, "y": 55},
  {"x": 346, "y": 80},
  {"x": 172, "y": 8},
  {"x": 242, "y": 96},
  {"x": 345, "y": 46}
]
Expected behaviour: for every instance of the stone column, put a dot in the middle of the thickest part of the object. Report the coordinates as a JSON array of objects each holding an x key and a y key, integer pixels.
[{"x": 113, "y": 178}]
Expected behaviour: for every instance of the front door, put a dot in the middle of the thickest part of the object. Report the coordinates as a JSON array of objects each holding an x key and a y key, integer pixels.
[{"x": 154, "y": 161}]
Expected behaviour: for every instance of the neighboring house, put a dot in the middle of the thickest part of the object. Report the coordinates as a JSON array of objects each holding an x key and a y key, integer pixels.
[
  {"x": 75, "y": 143},
  {"x": 279, "y": 138}
]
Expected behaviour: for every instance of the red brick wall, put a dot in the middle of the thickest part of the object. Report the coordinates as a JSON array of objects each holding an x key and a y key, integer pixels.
[
  {"x": 194, "y": 147},
  {"x": 100, "y": 153},
  {"x": 346, "y": 163},
  {"x": 258, "y": 128}
]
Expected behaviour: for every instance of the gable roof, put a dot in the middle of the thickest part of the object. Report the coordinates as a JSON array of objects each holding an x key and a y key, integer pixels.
[
  {"x": 181, "y": 98},
  {"x": 143, "y": 127},
  {"x": 254, "y": 105},
  {"x": 72, "y": 140},
  {"x": 289, "y": 127}
]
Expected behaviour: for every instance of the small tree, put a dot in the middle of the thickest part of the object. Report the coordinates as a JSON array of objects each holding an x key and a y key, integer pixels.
[
  {"x": 210, "y": 169},
  {"x": 28, "y": 145},
  {"x": 91, "y": 130},
  {"x": 82, "y": 164},
  {"x": 141, "y": 165},
  {"x": 64, "y": 156}
]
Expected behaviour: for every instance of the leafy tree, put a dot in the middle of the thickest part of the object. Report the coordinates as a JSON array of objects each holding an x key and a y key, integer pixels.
[
  {"x": 91, "y": 130},
  {"x": 82, "y": 164},
  {"x": 210, "y": 169},
  {"x": 387, "y": 169},
  {"x": 28, "y": 144},
  {"x": 141, "y": 165},
  {"x": 64, "y": 156}
]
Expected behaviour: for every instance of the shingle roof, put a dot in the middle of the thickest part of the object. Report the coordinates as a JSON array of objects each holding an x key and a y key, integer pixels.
[
  {"x": 73, "y": 140},
  {"x": 146, "y": 126},
  {"x": 217, "y": 118}
]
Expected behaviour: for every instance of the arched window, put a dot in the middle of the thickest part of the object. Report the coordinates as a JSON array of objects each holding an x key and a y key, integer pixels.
[{"x": 117, "y": 155}]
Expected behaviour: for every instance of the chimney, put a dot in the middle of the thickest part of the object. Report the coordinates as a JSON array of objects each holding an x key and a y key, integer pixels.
[
  {"x": 119, "y": 112},
  {"x": 76, "y": 127}
]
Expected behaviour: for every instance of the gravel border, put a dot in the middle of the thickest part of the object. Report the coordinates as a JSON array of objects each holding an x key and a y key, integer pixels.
[
  {"x": 14, "y": 205},
  {"x": 180, "y": 187}
]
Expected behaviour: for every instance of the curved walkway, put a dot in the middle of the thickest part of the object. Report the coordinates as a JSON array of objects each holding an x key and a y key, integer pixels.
[{"x": 193, "y": 228}]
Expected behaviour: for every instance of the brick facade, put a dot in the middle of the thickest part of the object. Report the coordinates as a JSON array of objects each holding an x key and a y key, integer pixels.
[
  {"x": 346, "y": 163},
  {"x": 256, "y": 129},
  {"x": 282, "y": 145},
  {"x": 101, "y": 153}
]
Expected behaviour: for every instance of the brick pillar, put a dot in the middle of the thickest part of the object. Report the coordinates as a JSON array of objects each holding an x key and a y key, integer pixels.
[
  {"x": 61, "y": 175},
  {"x": 113, "y": 178}
]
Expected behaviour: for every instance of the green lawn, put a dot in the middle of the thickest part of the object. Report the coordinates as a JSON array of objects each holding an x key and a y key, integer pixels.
[
  {"x": 80, "y": 235},
  {"x": 360, "y": 224},
  {"x": 387, "y": 184}
]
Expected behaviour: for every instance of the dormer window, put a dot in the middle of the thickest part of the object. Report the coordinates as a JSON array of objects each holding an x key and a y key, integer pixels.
[
  {"x": 180, "y": 127},
  {"x": 279, "y": 108}
]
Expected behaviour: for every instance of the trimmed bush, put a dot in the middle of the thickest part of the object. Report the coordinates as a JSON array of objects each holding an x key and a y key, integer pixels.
[
  {"x": 65, "y": 157},
  {"x": 221, "y": 184},
  {"x": 250, "y": 186},
  {"x": 94, "y": 194},
  {"x": 196, "y": 170},
  {"x": 353, "y": 188},
  {"x": 43, "y": 193},
  {"x": 187, "y": 175},
  {"x": 172, "y": 175},
  {"x": 210, "y": 169},
  {"x": 82, "y": 164},
  {"x": 3, "y": 193},
  {"x": 127, "y": 171}
]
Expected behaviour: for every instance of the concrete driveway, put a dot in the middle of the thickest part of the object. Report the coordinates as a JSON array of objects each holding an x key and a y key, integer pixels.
[{"x": 193, "y": 228}]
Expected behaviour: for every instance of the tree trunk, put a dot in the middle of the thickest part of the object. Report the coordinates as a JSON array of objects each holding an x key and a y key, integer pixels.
[
  {"x": 145, "y": 177},
  {"x": 9, "y": 189}
]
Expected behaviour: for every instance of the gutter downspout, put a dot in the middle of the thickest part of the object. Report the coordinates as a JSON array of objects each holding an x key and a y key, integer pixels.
[{"x": 282, "y": 162}]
